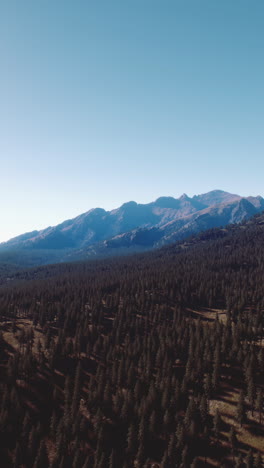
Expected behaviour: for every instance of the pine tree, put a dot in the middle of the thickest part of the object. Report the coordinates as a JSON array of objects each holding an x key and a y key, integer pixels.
[
  {"x": 53, "y": 424},
  {"x": 76, "y": 391},
  {"x": 32, "y": 444},
  {"x": 180, "y": 436},
  {"x": 140, "y": 454},
  {"x": 241, "y": 409},
  {"x": 172, "y": 448},
  {"x": 258, "y": 461},
  {"x": 233, "y": 440},
  {"x": 250, "y": 459},
  {"x": 98, "y": 421},
  {"x": 112, "y": 459},
  {"x": 217, "y": 424},
  {"x": 239, "y": 461},
  {"x": 165, "y": 462},
  {"x": 216, "y": 369},
  {"x": 67, "y": 394},
  {"x": 259, "y": 403},
  {"x": 88, "y": 463},
  {"x": 102, "y": 462},
  {"x": 191, "y": 412},
  {"x": 207, "y": 386},
  {"x": 185, "y": 457},
  {"x": 18, "y": 456},
  {"x": 194, "y": 463},
  {"x": 41, "y": 460},
  {"x": 251, "y": 394},
  {"x": 167, "y": 420},
  {"x": 142, "y": 431},
  {"x": 206, "y": 441},
  {"x": 77, "y": 460},
  {"x": 153, "y": 422},
  {"x": 204, "y": 409},
  {"x": 131, "y": 439},
  {"x": 62, "y": 462},
  {"x": 26, "y": 428}
]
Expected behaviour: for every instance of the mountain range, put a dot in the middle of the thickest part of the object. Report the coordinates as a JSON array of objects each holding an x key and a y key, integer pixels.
[{"x": 130, "y": 228}]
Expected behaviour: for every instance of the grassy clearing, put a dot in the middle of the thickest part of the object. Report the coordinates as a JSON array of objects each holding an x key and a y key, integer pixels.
[
  {"x": 11, "y": 337},
  {"x": 250, "y": 435},
  {"x": 209, "y": 314}
]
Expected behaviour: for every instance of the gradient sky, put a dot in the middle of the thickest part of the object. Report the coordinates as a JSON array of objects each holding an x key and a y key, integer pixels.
[{"x": 103, "y": 102}]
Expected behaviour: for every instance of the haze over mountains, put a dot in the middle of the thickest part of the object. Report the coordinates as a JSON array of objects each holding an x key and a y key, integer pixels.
[{"x": 131, "y": 227}]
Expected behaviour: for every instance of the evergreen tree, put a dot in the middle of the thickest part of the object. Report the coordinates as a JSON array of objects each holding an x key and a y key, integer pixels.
[
  {"x": 185, "y": 457},
  {"x": 239, "y": 461},
  {"x": 204, "y": 409},
  {"x": 77, "y": 460},
  {"x": 112, "y": 459},
  {"x": 131, "y": 439},
  {"x": 259, "y": 403},
  {"x": 195, "y": 463},
  {"x": 250, "y": 459},
  {"x": 140, "y": 454},
  {"x": 153, "y": 422},
  {"x": 41, "y": 460},
  {"x": 88, "y": 462},
  {"x": 18, "y": 456},
  {"x": 217, "y": 424},
  {"x": 251, "y": 393},
  {"x": 241, "y": 409},
  {"x": 165, "y": 462},
  {"x": 76, "y": 391},
  {"x": 233, "y": 440},
  {"x": 258, "y": 461}
]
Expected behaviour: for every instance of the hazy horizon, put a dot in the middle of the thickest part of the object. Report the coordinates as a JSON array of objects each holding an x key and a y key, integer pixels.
[{"x": 107, "y": 102}]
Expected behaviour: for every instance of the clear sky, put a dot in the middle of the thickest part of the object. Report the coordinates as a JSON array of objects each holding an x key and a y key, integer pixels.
[{"x": 102, "y": 102}]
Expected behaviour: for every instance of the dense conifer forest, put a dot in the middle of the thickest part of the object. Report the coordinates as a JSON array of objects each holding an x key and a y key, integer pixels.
[{"x": 154, "y": 360}]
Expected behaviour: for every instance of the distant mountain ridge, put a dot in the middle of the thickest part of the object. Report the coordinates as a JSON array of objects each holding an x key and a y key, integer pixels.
[{"x": 133, "y": 226}]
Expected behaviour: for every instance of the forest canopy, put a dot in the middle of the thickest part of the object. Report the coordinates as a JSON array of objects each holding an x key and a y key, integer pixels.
[{"x": 150, "y": 360}]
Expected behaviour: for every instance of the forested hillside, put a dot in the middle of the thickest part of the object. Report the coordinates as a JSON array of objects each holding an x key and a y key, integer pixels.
[{"x": 154, "y": 360}]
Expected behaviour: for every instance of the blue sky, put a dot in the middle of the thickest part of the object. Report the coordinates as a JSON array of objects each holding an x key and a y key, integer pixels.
[{"x": 103, "y": 102}]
